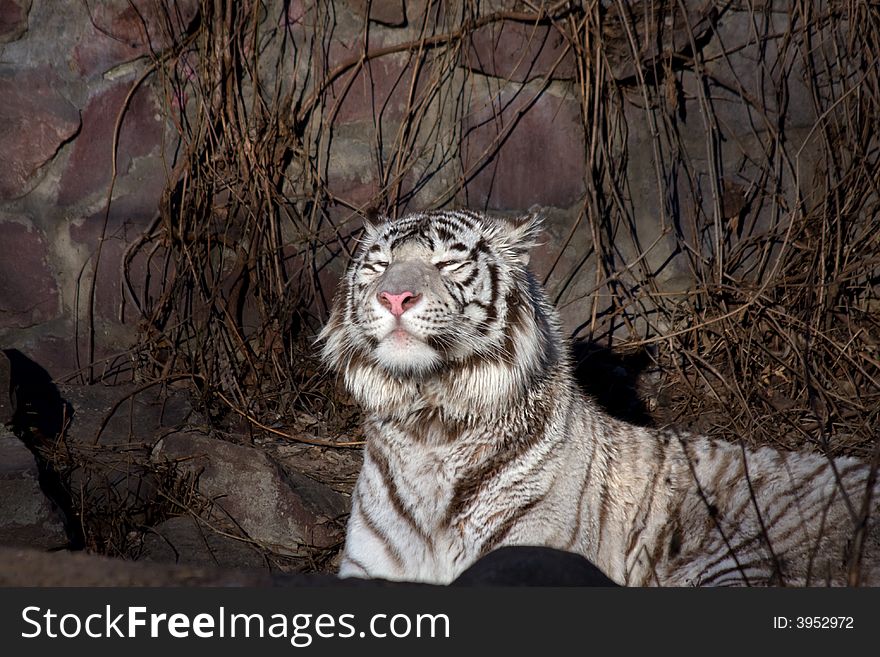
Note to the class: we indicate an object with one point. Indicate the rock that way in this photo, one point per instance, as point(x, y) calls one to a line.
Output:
point(338, 468)
point(295, 15)
point(187, 541)
point(520, 52)
point(139, 416)
point(386, 12)
point(35, 120)
point(7, 404)
point(89, 168)
point(109, 435)
point(123, 30)
point(548, 137)
point(28, 292)
point(377, 93)
point(27, 517)
point(133, 208)
point(284, 512)
point(49, 344)
point(24, 567)
point(13, 19)
point(658, 30)
point(109, 295)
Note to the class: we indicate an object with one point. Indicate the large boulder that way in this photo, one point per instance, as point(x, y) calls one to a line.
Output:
point(285, 512)
point(189, 540)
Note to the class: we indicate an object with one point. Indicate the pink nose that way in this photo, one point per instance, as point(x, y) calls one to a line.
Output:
point(398, 303)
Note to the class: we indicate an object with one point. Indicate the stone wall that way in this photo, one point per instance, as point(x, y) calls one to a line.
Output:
point(646, 133)
point(66, 74)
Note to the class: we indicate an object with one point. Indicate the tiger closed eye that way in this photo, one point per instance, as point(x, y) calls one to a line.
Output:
point(449, 265)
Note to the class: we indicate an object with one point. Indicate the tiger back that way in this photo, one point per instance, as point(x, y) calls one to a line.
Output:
point(479, 437)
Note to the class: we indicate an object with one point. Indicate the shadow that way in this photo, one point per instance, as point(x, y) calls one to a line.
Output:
point(40, 415)
point(611, 380)
point(39, 411)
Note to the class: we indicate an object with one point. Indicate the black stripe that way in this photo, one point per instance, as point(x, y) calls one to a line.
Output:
point(478, 304)
point(749, 503)
point(671, 531)
point(724, 491)
point(397, 502)
point(660, 455)
point(370, 524)
point(452, 224)
point(480, 247)
point(473, 275)
point(358, 564)
point(580, 505)
point(512, 448)
point(826, 505)
point(466, 218)
point(743, 570)
point(403, 238)
point(516, 313)
point(504, 529)
point(492, 313)
point(444, 234)
point(604, 501)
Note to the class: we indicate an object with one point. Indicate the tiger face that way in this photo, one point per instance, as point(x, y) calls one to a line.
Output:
point(430, 291)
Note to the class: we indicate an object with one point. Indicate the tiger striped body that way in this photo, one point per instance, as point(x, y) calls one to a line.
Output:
point(478, 437)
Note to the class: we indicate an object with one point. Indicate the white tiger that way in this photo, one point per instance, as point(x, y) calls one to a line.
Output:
point(478, 437)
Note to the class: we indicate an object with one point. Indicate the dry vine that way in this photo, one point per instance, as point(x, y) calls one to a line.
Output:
point(775, 339)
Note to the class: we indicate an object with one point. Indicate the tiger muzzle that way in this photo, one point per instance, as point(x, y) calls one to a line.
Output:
point(400, 287)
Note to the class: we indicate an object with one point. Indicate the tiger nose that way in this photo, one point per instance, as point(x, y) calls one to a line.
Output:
point(398, 303)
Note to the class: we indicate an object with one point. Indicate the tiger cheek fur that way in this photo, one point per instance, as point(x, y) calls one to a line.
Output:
point(478, 437)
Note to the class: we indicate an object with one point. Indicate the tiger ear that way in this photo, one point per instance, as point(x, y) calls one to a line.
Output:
point(373, 221)
point(517, 237)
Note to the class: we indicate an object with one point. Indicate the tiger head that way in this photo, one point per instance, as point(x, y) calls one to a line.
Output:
point(439, 298)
